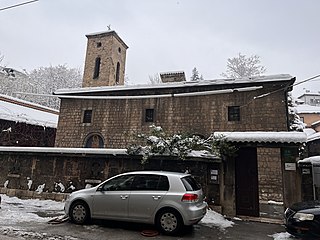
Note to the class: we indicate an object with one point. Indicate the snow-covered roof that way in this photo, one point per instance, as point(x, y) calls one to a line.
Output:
point(315, 160)
point(189, 94)
point(315, 123)
point(305, 108)
point(88, 151)
point(309, 131)
point(264, 137)
point(257, 80)
point(313, 137)
point(65, 150)
point(21, 113)
point(309, 94)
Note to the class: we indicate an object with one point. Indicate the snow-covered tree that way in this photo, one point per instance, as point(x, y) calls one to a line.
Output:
point(44, 80)
point(294, 120)
point(242, 66)
point(155, 79)
point(178, 145)
point(195, 75)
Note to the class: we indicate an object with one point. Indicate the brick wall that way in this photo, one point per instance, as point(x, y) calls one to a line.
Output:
point(270, 174)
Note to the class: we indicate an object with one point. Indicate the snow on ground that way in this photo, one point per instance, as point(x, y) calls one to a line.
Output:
point(14, 211)
point(214, 219)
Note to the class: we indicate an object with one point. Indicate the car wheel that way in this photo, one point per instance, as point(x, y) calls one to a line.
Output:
point(79, 212)
point(169, 221)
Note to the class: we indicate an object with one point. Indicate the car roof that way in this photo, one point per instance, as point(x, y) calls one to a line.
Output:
point(167, 173)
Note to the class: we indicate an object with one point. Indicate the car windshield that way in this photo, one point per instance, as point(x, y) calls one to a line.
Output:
point(190, 183)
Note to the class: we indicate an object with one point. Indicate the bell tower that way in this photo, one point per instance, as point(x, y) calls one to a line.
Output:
point(105, 60)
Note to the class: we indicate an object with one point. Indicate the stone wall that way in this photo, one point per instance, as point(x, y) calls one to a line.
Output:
point(54, 172)
point(117, 121)
point(111, 50)
point(270, 174)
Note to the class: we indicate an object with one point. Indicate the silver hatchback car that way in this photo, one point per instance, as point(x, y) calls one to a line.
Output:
point(169, 200)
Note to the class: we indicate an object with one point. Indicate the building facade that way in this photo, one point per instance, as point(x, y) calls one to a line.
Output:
point(310, 98)
point(107, 116)
point(23, 123)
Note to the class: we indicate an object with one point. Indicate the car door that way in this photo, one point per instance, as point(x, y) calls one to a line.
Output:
point(147, 192)
point(111, 199)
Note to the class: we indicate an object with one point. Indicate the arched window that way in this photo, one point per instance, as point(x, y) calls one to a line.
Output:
point(94, 141)
point(97, 68)
point(118, 73)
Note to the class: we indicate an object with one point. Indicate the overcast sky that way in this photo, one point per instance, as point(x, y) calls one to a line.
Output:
point(167, 35)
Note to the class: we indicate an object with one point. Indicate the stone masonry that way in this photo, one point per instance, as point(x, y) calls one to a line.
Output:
point(270, 174)
point(111, 50)
point(118, 120)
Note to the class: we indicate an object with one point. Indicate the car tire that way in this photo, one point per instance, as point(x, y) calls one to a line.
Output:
point(79, 212)
point(169, 221)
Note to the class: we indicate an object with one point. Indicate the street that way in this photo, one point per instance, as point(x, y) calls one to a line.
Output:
point(28, 219)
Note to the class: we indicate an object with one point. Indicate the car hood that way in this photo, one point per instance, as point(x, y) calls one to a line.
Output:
point(85, 190)
point(308, 205)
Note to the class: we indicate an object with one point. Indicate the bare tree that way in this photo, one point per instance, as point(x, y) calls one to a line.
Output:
point(242, 66)
point(1, 58)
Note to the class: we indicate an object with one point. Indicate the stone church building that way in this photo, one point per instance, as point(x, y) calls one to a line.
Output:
point(252, 113)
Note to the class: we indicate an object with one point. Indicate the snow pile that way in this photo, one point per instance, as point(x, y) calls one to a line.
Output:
point(23, 234)
point(282, 236)
point(15, 210)
point(214, 219)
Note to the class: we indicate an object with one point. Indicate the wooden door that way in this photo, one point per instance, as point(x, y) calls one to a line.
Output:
point(247, 196)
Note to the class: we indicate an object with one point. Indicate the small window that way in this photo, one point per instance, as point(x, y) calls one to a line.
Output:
point(87, 116)
point(234, 113)
point(119, 50)
point(99, 44)
point(118, 73)
point(96, 72)
point(149, 115)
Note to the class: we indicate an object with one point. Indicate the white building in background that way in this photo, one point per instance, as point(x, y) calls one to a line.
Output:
point(310, 98)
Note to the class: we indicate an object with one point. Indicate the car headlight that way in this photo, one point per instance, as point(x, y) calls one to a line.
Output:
point(303, 216)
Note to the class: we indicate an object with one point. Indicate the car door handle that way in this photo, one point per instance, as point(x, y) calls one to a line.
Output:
point(123, 197)
point(156, 197)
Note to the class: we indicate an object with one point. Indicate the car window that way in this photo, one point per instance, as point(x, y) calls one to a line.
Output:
point(121, 183)
point(149, 182)
point(190, 183)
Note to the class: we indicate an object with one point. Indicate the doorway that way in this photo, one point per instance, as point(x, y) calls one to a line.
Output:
point(246, 176)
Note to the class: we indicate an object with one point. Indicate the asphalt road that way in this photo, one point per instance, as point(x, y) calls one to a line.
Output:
point(116, 231)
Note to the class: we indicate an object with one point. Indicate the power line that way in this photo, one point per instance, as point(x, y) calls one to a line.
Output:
point(278, 90)
point(17, 5)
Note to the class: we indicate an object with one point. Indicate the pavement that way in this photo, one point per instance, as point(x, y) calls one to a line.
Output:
point(246, 230)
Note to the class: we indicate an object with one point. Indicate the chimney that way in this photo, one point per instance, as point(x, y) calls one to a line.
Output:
point(172, 77)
